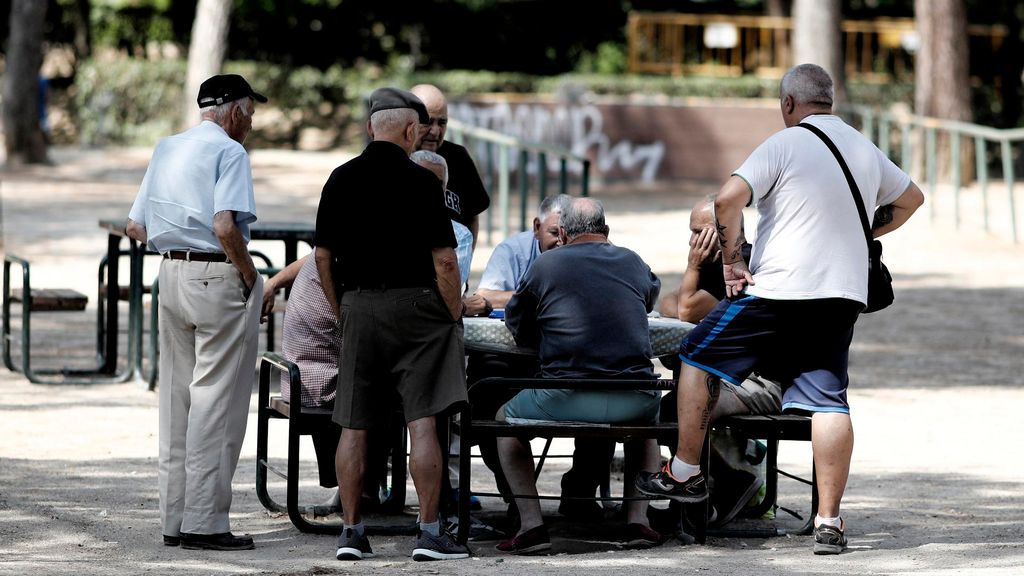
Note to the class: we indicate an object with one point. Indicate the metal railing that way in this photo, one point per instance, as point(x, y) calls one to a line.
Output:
point(898, 136)
point(729, 45)
point(505, 161)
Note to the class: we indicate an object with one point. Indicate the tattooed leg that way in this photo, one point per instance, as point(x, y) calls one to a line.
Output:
point(714, 386)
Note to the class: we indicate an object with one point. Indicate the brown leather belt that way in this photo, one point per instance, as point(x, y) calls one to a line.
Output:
point(196, 256)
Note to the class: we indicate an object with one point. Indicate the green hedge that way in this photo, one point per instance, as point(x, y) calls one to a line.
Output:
point(132, 101)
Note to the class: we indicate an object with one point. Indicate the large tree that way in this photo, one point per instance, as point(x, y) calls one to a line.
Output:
point(818, 40)
point(23, 135)
point(205, 52)
point(941, 70)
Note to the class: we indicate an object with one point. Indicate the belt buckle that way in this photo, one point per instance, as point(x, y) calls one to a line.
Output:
point(188, 255)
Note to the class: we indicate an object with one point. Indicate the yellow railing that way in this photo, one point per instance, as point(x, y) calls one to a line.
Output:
point(719, 45)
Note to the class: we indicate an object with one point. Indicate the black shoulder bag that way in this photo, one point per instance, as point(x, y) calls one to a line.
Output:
point(879, 280)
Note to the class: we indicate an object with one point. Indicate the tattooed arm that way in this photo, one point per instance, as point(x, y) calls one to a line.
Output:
point(899, 211)
point(729, 204)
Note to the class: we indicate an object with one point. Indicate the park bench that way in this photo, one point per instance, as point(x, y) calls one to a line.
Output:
point(772, 428)
point(32, 300)
point(304, 421)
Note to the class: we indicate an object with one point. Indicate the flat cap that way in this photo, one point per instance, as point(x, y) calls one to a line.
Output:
point(222, 88)
point(391, 98)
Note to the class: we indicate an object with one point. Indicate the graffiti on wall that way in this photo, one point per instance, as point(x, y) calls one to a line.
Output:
point(578, 128)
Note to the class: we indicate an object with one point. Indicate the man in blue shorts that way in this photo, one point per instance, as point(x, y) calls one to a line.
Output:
point(790, 315)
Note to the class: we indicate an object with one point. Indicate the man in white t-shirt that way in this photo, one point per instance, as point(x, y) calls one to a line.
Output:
point(790, 315)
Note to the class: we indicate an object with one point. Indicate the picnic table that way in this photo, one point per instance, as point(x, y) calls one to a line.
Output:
point(290, 233)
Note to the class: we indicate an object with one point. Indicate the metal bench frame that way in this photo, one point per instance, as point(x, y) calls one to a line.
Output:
point(769, 427)
point(47, 376)
point(305, 421)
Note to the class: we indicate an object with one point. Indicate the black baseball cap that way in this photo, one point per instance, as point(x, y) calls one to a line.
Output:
point(222, 88)
point(391, 98)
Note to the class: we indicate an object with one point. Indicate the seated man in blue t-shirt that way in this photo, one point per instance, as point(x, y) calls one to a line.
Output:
point(509, 263)
point(584, 307)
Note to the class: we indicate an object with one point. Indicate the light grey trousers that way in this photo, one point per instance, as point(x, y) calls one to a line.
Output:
point(208, 344)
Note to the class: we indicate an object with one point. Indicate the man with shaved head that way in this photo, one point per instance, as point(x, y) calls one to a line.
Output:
point(465, 196)
point(703, 286)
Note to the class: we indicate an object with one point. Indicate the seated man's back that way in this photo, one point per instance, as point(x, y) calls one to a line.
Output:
point(584, 306)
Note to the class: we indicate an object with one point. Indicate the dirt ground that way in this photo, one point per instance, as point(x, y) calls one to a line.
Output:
point(937, 387)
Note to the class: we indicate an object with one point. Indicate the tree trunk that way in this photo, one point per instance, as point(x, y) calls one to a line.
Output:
point(83, 30)
point(941, 74)
point(23, 136)
point(1012, 70)
point(777, 7)
point(818, 40)
point(205, 52)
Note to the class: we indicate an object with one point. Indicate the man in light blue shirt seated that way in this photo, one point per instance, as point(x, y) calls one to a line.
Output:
point(512, 258)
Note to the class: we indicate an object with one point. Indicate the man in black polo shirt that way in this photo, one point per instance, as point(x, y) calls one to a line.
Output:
point(400, 308)
point(465, 197)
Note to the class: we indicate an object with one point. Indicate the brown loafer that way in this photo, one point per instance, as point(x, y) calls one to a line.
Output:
point(222, 541)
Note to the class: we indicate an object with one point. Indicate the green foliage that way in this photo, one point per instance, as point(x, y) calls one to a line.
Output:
point(127, 101)
point(130, 101)
point(131, 25)
point(610, 58)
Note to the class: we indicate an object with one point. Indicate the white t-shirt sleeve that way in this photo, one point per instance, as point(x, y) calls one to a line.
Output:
point(762, 168)
point(893, 182)
point(234, 190)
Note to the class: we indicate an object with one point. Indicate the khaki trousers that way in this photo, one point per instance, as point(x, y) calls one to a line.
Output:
point(208, 342)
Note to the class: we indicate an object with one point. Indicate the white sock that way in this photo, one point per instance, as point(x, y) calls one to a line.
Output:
point(681, 470)
point(359, 528)
point(820, 520)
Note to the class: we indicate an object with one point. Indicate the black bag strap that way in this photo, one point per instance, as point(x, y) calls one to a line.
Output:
point(849, 179)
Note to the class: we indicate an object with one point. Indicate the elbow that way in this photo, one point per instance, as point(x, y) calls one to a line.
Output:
point(688, 314)
point(221, 231)
point(911, 199)
point(917, 198)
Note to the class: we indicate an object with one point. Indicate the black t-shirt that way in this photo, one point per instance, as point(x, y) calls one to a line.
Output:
point(380, 215)
point(468, 196)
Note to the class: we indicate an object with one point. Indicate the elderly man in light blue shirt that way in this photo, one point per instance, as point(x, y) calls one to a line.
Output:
point(512, 258)
point(194, 207)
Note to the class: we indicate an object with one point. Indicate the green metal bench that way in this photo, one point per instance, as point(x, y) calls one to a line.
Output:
point(35, 300)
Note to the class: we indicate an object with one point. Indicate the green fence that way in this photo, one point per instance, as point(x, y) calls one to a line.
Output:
point(897, 135)
point(510, 166)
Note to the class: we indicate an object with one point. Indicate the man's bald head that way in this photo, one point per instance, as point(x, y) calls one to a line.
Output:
point(703, 215)
point(432, 134)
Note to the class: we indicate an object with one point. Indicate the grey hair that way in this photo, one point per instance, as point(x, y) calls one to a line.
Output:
point(429, 157)
point(393, 120)
point(583, 216)
point(553, 205)
point(807, 84)
point(219, 112)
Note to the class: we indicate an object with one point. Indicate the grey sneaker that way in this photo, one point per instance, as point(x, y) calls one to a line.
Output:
point(443, 547)
point(693, 489)
point(352, 546)
point(829, 539)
